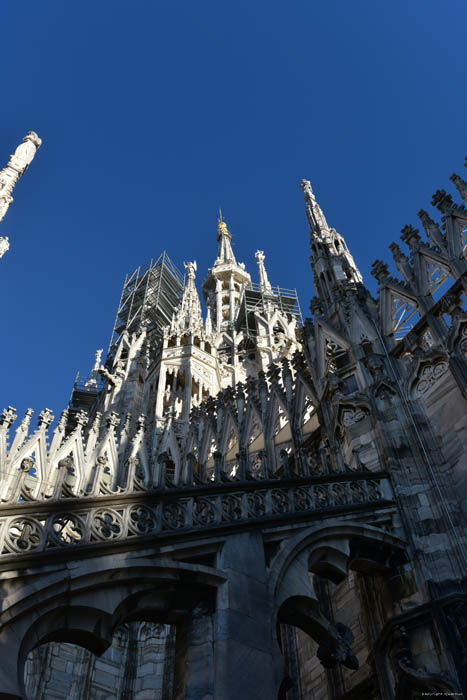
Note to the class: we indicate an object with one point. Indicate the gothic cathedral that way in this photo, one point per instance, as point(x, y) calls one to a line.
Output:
point(238, 504)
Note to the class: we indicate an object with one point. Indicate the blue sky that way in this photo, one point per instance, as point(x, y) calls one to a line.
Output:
point(154, 114)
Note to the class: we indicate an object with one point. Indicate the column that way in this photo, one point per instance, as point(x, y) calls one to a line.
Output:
point(248, 661)
point(194, 662)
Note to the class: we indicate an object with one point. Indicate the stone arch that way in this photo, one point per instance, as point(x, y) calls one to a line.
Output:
point(328, 550)
point(39, 615)
point(324, 548)
point(334, 639)
point(84, 626)
point(165, 604)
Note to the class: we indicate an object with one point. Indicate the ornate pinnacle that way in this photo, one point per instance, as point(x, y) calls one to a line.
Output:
point(222, 229)
point(225, 252)
point(432, 229)
point(397, 253)
point(410, 235)
point(10, 175)
point(191, 268)
point(313, 210)
point(96, 421)
point(45, 418)
point(380, 271)
point(113, 420)
point(263, 275)
point(92, 382)
point(460, 184)
point(81, 419)
point(8, 416)
point(443, 201)
point(63, 420)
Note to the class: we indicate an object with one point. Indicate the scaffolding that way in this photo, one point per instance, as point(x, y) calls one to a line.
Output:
point(257, 299)
point(150, 296)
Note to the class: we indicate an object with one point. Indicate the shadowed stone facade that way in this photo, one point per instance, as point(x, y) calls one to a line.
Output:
point(243, 506)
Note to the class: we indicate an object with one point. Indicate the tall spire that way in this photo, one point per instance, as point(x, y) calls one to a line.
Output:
point(332, 264)
point(225, 281)
point(188, 316)
point(92, 381)
point(224, 237)
point(263, 275)
point(9, 176)
point(316, 219)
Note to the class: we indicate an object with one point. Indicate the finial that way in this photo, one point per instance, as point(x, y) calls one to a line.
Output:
point(305, 186)
point(97, 360)
point(460, 184)
point(92, 381)
point(443, 201)
point(222, 229)
point(316, 218)
point(380, 271)
point(410, 235)
point(263, 276)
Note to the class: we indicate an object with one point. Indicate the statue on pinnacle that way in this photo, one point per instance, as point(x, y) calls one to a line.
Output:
point(9, 176)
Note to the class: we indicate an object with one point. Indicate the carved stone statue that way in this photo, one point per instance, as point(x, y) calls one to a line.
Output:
point(263, 275)
point(17, 165)
point(191, 268)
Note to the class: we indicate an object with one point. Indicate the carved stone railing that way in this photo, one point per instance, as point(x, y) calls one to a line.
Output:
point(33, 527)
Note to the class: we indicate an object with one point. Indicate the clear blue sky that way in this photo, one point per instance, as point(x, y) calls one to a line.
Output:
point(154, 114)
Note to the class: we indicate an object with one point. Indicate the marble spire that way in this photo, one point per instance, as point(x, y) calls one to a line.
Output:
point(224, 237)
point(9, 176)
point(188, 316)
point(263, 275)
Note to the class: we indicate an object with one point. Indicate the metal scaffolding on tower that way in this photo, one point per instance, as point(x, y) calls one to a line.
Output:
point(257, 299)
point(149, 297)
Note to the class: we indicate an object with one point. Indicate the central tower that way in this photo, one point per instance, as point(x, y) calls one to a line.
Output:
point(165, 359)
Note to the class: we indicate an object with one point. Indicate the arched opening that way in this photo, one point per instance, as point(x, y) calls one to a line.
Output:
point(141, 658)
point(324, 616)
point(139, 651)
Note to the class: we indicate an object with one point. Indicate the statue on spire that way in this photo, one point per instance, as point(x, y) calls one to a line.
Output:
point(263, 275)
point(92, 381)
point(224, 237)
point(9, 176)
point(317, 221)
point(336, 265)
